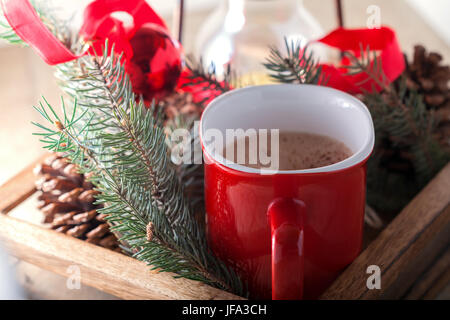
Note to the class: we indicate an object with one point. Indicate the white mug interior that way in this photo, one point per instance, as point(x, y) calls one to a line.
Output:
point(292, 107)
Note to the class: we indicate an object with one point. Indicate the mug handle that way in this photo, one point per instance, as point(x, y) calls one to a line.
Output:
point(286, 217)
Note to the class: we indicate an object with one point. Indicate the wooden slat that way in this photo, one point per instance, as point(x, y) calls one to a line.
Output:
point(439, 287)
point(106, 270)
point(18, 188)
point(405, 249)
point(431, 283)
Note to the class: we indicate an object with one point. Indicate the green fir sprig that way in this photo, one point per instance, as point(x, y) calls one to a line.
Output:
point(112, 136)
point(404, 125)
point(296, 64)
point(206, 79)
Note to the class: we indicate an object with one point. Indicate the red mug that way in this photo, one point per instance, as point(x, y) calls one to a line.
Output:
point(288, 234)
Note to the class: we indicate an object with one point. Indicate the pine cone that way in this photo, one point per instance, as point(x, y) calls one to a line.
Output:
point(431, 78)
point(66, 198)
point(180, 103)
point(396, 171)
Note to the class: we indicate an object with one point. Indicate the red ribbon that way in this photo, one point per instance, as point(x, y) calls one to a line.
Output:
point(25, 22)
point(382, 40)
point(97, 26)
point(100, 10)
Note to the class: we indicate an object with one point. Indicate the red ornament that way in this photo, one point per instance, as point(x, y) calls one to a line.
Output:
point(156, 63)
point(152, 58)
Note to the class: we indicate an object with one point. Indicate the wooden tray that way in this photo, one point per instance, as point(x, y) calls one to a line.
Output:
point(412, 253)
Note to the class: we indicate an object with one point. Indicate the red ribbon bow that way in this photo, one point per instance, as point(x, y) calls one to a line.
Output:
point(97, 26)
point(382, 40)
point(152, 57)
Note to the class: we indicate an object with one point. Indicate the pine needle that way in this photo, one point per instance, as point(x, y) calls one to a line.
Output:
point(120, 142)
point(295, 65)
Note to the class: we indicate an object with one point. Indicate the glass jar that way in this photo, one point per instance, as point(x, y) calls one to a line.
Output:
point(240, 32)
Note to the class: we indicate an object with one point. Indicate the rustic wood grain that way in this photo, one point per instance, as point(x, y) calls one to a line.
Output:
point(431, 283)
point(101, 268)
point(404, 250)
point(439, 289)
point(18, 188)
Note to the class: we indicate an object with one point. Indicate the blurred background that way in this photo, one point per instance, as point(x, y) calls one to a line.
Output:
point(25, 77)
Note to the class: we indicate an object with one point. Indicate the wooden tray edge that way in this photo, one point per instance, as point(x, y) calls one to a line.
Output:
point(404, 249)
point(101, 268)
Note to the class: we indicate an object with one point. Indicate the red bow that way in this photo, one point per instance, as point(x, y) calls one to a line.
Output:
point(382, 40)
point(152, 57)
point(97, 26)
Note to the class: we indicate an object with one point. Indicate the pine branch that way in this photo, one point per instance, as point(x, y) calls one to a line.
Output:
point(207, 77)
point(205, 82)
point(181, 117)
point(371, 66)
point(107, 82)
point(296, 65)
point(117, 195)
point(124, 145)
point(191, 175)
point(107, 140)
point(400, 114)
